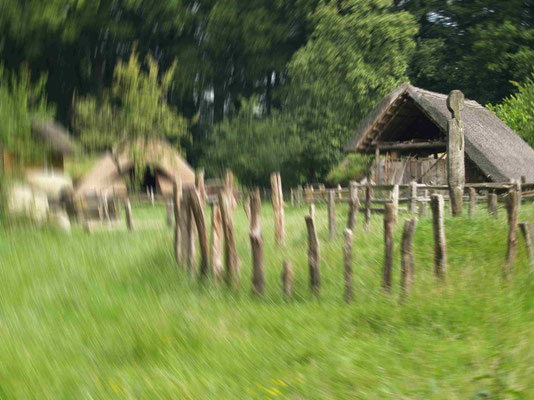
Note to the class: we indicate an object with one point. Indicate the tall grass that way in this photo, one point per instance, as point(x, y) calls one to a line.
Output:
point(110, 315)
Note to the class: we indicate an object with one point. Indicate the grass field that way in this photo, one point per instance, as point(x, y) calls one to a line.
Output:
point(110, 315)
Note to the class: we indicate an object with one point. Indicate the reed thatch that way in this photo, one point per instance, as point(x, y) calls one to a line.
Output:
point(110, 171)
point(495, 148)
point(54, 134)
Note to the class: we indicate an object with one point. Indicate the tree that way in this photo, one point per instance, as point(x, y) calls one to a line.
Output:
point(135, 108)
point(358, 52)
point(518, 110)
point(20, 103)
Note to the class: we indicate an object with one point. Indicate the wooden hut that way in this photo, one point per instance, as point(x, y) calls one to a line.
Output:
point(407, 131)
point(112, 171)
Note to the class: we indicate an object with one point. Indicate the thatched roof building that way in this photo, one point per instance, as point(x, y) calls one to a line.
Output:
point(110, 173)
point(55, 136)
point(413, 122)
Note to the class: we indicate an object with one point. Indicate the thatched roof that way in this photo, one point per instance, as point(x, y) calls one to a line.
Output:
point(495, 148)
point(54, 134)
point(109, 171)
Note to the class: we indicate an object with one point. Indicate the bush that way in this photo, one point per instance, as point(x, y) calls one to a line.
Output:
point(354, 167)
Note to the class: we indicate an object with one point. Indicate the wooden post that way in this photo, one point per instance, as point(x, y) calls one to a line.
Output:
point(354, 206)
point(527, 228)
point(339, 192)
point(278, 207)
point(395, 196)
point(332, 214)
point(377, 164)
point(229, 188)
point(347, 260)
point(512, 209)
point(128, 211)
point(412, 205)
point(472, 202)
point(256, 243)
point(177, 198)
point(389, 229)
point(152, 201)
point(287, 279)
point(216, 240)
point(313, 256)
point(169, 212)
point(299, 195)
point(308, 194)
point(200, 220)
point(200, 185)
point(407, 269)
point(188, 233)
point(423, 205)
point(492, 205)
point(368, 205)
point(231, 257)
point(455, 152)
point(312, 210)
point(440, 246)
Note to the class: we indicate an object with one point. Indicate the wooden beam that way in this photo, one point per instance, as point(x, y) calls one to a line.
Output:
point(384, 146)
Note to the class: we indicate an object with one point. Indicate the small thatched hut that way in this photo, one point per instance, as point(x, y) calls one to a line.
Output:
point(111, 171)
point(407, 131)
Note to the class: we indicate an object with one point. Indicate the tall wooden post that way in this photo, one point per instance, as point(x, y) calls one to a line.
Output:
point(128, 211)
point(395, 196)
point(440, 246)
point(492, 205)
point(412, 205)
point(472, 202)
point(347, 261)
point(230, 252)
point(332, 214)
point(256, 242)
point(200, 185)
point(197, 210)
point(313, 256)
point(288, 277)
point(216, 240)
point(354, 206)
point(377, 165)
point(188, 232)
point(177, 198)
point(278, 206)
point(389, 228)
point(512, 208)
point(407, 269)
point(455, 152)
point(368, 205)
point(527, 228)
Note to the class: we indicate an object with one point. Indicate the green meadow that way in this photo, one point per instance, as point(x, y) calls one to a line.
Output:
point(111, 316)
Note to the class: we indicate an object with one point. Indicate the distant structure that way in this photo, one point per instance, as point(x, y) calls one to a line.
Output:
point(407, 132)
point(57, 142)
point(111, 172)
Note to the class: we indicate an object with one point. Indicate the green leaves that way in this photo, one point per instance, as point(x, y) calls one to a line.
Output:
point(136, 107)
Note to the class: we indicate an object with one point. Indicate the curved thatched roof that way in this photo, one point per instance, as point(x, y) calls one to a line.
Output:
point(108, 173)
point(496, 149)
point(54, 134)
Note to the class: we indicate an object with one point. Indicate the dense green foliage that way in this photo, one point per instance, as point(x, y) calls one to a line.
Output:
point(110, 315)
point(21, 102)
point(355, 166)
point(315, 67)
point(135, 108)
point(517, 110)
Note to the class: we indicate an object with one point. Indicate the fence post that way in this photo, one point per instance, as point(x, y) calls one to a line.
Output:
point(389, 228)
point(440, 246)
point(278, 207)
point(354, 206)
point(332, 214)
point(527, 228)
point(312, 210)
point(152, 201)
point(407, 269)
point(188, 232)
point(169, 212)
point(216, 240)
point(347, 260)
point(492, 205)
point(287, 279)
point(368, 204)
point(413, 197)
point(423, 205)
point(128, 211)
point(200, 185)
point(231, 257)
point(455, 152)
point(512, 208)
point(472, 202)
point(339, 193)
point(256, 243)
point(313, 256)
point(200, 220)
point(177, 198)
